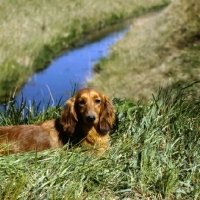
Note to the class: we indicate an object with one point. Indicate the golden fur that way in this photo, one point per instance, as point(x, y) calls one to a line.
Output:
point(87, 118)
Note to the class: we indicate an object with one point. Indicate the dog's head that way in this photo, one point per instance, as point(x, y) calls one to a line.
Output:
point(88, 107)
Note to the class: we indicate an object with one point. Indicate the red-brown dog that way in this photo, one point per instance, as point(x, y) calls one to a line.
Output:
point(87, 118)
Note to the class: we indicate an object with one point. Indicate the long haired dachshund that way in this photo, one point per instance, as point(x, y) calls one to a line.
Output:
point(86, 118)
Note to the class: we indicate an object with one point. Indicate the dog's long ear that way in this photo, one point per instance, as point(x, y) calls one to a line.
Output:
point(107, 116)
point(68, 117)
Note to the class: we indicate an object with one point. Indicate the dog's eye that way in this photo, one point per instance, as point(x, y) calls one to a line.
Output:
point(81, 102)
point(97, 101)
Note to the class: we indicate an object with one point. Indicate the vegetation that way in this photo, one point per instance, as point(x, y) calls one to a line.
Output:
point(154, 154)
point(161, 49)
point(155, 148)
point(33, 32)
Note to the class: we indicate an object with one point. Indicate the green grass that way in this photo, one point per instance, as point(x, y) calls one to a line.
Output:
point(155, 148)
point(34, 32)
point(154, 154)
point(161, 49)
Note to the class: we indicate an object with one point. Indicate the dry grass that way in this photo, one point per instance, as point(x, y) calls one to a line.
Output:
point(161, 49)
point(33, 32)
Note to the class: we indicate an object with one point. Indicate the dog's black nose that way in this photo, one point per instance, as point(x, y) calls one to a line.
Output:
point(91, 118)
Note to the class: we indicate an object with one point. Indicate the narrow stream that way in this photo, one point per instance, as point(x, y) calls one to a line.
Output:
point(74, 66)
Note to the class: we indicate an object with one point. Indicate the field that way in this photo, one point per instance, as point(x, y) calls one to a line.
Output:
point(34, 32)
point(162, 49)
point(155, 146)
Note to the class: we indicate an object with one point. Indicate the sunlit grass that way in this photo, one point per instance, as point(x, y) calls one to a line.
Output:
point(155, 148)
point(154, 154)
point(161, 49)
point(33, 32)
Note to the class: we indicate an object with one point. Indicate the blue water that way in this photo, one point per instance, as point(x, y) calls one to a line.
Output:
point(74, 66)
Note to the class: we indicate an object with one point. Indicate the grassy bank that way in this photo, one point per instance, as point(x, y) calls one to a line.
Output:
point(154, 154)
point(160, 50)
point(33, 32)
